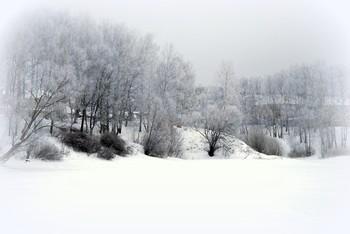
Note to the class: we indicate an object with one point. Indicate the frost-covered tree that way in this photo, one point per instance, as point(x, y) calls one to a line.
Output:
point(110, 69)
point(228, 84)
point(174, 83)
point(36, 81)
point(168, 96)
point(217, 125)
point(221, 115)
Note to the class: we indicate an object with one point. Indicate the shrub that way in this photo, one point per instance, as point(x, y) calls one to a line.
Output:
point(272, 146)
point(263, 143)
point(176, 141)
point(298, 150)
point(339, 151)
point(155, 145)
point(115, 143)
point(106, 153)
point(163, 141)
point(81, 142)
point(255, 139)
point(44, 151)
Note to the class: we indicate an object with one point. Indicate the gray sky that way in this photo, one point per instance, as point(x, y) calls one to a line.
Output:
point(259, 36)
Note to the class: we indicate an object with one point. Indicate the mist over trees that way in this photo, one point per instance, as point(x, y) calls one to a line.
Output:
point(307, 101)
point(103, 73)
point(96, 77)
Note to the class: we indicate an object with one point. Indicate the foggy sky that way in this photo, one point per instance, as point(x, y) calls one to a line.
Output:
point(259, 37)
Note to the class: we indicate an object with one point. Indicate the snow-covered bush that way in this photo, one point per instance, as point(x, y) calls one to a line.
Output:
point(298, 150)
point(262, 143)
point(339, 151)
point(176, 141)
point(255, 139)
point(114, 143)
point(106, 153)
point(162, 141)
point(156, 143)
point(44, 151)
point(160, 138)
point(81, 142)
point(272, 146)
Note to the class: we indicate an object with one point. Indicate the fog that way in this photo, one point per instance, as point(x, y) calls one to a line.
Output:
point(259, 37)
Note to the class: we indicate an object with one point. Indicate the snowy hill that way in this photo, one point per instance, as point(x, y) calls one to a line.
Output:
point(194, 147)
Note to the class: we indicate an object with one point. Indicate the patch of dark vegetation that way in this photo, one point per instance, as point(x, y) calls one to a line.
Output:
point(155, 145)
point(81, 142)
point(106, 153)
point(115, 143)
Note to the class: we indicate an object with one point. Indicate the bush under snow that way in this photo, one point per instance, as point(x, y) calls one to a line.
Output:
point(45, 151)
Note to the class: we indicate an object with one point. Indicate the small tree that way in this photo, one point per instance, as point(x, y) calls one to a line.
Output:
point(217, 125)
point(157, 126)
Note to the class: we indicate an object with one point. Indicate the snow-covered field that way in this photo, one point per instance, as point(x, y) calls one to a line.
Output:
point(139, 194)
point(235, 192)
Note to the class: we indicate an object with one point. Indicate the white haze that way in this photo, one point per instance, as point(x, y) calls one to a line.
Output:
point(260, 37)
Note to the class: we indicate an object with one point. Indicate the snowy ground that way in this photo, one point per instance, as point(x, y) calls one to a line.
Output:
point(140, 194)
point(235, 192)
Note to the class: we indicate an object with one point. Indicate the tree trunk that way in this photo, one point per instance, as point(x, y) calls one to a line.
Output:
point(211, 151)
point(119, 128)
point(51, 126)
point(9, 153)
point(82, 120)
point(281, 133)
point(140, 124)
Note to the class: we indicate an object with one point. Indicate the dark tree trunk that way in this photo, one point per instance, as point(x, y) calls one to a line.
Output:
point(113, 128)
point(51, 127)
point(140, 124)
point(119, 128)
point(82, 120)
point(211, 151)
point(281, 133)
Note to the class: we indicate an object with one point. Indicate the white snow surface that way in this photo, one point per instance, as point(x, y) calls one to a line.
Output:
point(233, 192)
point(140, 194)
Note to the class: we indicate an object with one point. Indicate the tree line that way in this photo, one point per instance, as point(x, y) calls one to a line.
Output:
point(98, 77)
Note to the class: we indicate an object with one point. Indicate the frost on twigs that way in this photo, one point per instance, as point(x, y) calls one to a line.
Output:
point(45, 151)
point(216, 125)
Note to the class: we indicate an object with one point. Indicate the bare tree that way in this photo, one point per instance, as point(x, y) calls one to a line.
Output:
point(36, 81)
point(35, 109)
point(229, 85)
point(217, 125)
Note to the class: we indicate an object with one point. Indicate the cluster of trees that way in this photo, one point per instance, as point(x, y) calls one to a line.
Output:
point(107, 76)
point(309, 102)
point(103, 73)
point(306, 100)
